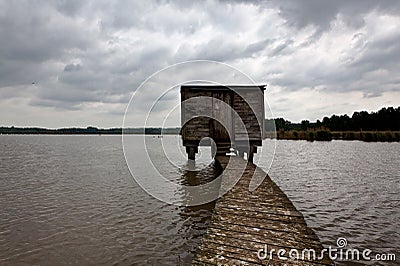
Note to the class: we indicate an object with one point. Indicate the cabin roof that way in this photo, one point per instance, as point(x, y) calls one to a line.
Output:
point(222, 87)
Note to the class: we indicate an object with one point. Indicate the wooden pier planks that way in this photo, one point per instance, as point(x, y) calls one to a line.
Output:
point(244, 222)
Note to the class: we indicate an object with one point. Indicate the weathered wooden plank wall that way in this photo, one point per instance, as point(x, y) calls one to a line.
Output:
point(200, 127)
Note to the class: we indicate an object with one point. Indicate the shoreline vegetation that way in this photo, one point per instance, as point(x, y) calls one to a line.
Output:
point(326, 135)
point(383, 125)
point(309, 135)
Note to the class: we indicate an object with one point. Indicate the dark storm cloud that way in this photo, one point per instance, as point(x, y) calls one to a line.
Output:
point(72, 67)
point(371, 50)
point(68, 54)
point(34, 33)
point(279, 50)
point(33, 39)
point(256, 47)
point(70, 7)
point(383, 53)
point(321, 13)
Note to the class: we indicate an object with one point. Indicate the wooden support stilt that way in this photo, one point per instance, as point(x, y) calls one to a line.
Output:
point(241, 153)
point(191, 151)
point(250, 155)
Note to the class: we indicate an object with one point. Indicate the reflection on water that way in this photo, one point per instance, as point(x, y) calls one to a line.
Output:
point(197, 218)
point(71, 200)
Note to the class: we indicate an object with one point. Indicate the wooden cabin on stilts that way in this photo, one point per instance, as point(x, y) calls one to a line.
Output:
point(231, 115)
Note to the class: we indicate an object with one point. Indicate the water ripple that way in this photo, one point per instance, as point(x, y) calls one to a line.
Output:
point(71, 200)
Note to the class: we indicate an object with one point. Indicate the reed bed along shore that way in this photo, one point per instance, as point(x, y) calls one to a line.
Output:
point(327, 135)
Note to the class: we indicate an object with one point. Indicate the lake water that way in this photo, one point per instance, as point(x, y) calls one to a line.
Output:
point(72, 200)
point(347, 189)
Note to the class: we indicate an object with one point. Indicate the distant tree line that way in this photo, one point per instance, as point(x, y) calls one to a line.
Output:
point(67, 131)
point(386, 119)
point(87, 131)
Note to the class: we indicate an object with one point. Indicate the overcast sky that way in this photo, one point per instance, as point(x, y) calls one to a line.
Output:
point(77, 63)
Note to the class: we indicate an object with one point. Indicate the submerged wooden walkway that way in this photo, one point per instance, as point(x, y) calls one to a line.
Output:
point(244, 222)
